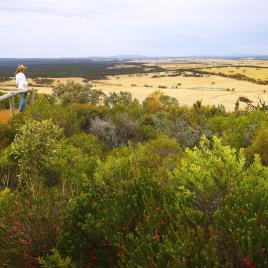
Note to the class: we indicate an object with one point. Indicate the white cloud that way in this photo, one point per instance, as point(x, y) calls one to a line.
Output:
point(44, 28)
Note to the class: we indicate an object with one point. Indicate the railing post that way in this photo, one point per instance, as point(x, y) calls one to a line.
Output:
point(12, 105)
point(32, 97)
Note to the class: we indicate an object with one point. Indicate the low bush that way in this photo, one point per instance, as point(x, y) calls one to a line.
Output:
point(204, 215)
point(44, 110)
point(237, 130)
point(119, 98)
point(259, 144)
point(29, 149)
point(7, 134)
point(29, 226)
point(72, 92)
point(158, 101)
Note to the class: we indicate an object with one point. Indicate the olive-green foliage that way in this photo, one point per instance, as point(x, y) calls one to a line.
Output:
point(35, 140)
point(73, 163)
point(148, 132)
point(133, 109)
point(5, 104)
point(119, 98)
point(86, 112)
point(89, 144)
point(211, 183)
point(127, 174)
point(237, 130)
point(43, 109)
point(8, 170)
point(211, 212)
point(56, 261)
point(156, 157)
point(242, 221)
point(29, 226)
point(7, 134)
point(260, 144)
point(127, 128)
point(72, 92)
point(67, 166)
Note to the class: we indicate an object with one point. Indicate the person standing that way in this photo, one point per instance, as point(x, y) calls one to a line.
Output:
point(22, 84)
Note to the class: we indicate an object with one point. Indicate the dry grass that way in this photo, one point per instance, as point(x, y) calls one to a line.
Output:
point(210, 89)
point(5, 116)
point(252, 72)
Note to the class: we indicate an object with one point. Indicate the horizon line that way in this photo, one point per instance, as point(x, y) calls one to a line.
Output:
point(126, 56)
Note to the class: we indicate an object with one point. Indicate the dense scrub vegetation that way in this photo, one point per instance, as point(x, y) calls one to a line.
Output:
point(86, 68)
point(95, 180)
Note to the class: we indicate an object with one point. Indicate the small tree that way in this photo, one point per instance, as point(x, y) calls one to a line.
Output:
point(72, 92)
point(122, 97)
point(158, 100)
point(30, 147)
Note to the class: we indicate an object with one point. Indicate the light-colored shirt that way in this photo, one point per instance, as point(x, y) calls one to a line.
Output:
point(21, 81)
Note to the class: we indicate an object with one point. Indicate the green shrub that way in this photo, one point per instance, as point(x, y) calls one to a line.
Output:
point(102, 227)
point(44, 110)
point(119, 98)
point(213, 190)
point(260, 144)
point(72, 92)
point(86, 112)
point(68, 167)
point(30, 226)
point(7, 134)
point(89, 144)
point(56, 261)
point(30, 147)
point(147, 132)
point(8, 170)
point(5, 103)
point(210, 213)
point(127, 128)
point(237, 130)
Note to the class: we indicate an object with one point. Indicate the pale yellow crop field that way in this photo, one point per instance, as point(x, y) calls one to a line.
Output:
point(256, 73)
point(210, 89)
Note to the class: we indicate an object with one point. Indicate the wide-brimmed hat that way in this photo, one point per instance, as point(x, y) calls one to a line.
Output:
point(21, 67)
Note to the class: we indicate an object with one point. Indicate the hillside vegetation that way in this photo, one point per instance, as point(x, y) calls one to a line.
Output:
point(89, 179)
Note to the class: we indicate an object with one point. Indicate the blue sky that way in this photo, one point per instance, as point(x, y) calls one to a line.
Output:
point(81, 28)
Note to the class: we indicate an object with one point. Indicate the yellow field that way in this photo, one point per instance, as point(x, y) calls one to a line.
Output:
point(210, 89)
point(256, 73)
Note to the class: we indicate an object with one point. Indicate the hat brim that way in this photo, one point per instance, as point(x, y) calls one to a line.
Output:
point(21, 68)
